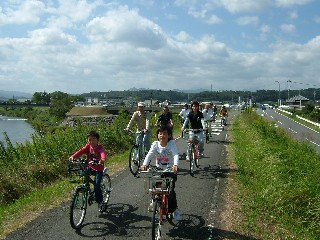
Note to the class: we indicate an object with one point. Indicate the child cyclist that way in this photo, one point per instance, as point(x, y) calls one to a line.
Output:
point(165, 152)
point(96, 151)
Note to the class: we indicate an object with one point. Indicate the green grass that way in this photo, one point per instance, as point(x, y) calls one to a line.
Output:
point(278, 178)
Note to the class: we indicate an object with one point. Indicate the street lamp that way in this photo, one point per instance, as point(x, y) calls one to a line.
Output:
point(279, 99)
point(288, 81)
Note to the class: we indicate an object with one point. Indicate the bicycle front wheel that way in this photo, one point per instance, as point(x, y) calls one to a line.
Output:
point(78, 208)
point(106, 188)
point(191, 157)
point(134, 160)
point(156, 224)
point(196, 155)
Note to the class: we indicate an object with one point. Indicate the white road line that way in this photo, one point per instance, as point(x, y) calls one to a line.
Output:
point(318, 145)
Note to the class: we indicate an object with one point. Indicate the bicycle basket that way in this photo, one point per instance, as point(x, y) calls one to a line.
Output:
point(156, 184)
point(75, 171)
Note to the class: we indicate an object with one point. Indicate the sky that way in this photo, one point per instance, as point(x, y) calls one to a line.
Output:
point(80, 46)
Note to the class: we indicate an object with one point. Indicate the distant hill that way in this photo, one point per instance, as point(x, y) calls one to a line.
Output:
point(10, 94)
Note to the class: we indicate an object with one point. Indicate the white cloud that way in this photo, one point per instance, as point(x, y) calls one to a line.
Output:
point(289, 3)
point(82, 46)
point(213, 19)
point(238, 6)
point(288, 28)
point(293, 15)
point(126, 26)
point(264, 32)
point(317, 19)
point(25, 12)
point(248, 20)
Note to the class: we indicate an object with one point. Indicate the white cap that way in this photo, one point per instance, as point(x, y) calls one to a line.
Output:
point(141, 104)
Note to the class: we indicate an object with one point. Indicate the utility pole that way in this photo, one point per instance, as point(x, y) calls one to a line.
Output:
point(279, 99)
point(289, 81)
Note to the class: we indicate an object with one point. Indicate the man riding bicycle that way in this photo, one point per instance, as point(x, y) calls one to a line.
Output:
point(142, 120)
point(208, 115)
point(165, 119)
point(196, 119)
point(184, 114)
point(224, 113)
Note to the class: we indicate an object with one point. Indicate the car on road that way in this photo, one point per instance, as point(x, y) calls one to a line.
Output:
point(262, 107)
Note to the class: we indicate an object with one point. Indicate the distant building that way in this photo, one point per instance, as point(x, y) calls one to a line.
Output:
point(298, 101)
point(152, 102)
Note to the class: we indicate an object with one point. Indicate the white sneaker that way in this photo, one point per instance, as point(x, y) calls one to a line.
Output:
point(177, 215)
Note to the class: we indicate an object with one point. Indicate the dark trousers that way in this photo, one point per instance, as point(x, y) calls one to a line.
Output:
point(97, 185)
point(172, 198)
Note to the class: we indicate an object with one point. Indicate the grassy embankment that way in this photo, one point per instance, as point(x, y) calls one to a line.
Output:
point(34, 176)
point(277, 185)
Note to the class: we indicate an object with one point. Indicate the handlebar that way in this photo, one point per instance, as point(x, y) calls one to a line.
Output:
point(193, 130)
point(83, 161)
point(132, 132)
point(156, 170)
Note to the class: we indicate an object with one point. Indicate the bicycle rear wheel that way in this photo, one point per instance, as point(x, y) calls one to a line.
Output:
point(106, 188)
point(78, 208)
point(207, 136)
point(134, 160)
point(156, 224)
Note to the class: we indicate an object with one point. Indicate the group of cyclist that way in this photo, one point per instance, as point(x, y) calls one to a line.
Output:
point(163, 150)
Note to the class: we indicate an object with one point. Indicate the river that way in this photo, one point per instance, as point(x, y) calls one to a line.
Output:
point(17, 129)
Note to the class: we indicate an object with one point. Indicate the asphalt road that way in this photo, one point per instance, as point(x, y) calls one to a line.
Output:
point(295, 129)
point(200, 200)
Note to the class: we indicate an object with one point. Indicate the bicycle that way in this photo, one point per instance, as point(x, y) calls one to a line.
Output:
point(223, 121)
point(84, 192)
point(207, 127)
point(137, 154)
point(193, 149)
point(158, 185)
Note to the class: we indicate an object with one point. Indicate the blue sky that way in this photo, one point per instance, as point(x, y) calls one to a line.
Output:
point(95, 45)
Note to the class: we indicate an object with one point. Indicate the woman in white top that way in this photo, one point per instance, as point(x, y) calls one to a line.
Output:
point(165, 152)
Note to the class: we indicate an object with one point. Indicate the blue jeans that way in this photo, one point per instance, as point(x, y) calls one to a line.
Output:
point(200, 137)
point(145, 138)
point(97, 185)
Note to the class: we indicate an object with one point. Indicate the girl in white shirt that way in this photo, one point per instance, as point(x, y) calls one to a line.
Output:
point(165, 152)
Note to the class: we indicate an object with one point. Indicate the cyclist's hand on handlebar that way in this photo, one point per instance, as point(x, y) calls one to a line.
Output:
point(71, 158)
point(143, 168)
point(175, 168)
point(101, 161)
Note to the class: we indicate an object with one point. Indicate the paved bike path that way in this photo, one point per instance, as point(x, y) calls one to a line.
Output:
point(200, 200)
